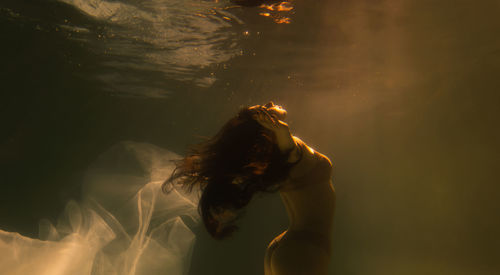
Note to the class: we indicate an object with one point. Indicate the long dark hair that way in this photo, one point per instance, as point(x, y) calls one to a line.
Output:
point(239, 161)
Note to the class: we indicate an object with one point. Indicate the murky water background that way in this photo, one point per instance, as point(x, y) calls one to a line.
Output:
point(402, 95)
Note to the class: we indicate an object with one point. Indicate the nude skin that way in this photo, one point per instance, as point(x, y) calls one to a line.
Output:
point(309, 199)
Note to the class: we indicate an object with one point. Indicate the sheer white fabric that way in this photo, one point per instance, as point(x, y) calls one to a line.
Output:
point(124, 225)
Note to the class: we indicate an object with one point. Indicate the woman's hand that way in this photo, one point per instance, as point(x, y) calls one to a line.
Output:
point(284, 139)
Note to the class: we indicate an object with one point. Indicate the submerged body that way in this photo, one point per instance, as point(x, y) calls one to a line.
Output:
point(255, 152)
point(309, 199)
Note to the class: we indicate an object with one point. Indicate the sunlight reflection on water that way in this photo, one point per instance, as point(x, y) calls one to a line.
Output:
point(177, 38)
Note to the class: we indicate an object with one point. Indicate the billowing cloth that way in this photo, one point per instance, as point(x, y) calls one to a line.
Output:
point(124, 224)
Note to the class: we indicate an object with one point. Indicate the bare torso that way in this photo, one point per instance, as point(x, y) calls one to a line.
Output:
point(309, 199)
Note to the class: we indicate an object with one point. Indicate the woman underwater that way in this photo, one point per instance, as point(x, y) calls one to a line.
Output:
point(125, 225)
point(255, 152)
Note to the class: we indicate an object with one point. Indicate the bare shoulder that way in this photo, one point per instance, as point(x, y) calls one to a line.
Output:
point(312, 163)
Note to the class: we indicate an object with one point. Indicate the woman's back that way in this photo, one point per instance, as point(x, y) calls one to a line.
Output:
point(309, 199)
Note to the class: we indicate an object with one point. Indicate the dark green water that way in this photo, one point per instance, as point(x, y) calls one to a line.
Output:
point(402, 95)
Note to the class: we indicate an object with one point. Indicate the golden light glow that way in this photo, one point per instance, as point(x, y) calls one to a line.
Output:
point(283, 20)
point(279, 12)
point(283, 6)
